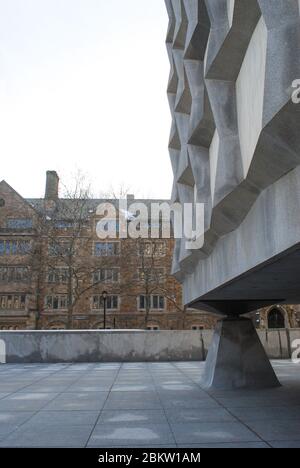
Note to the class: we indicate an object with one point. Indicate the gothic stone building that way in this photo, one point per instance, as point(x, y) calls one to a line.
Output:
point(39, 279)
point(277, 316)
point(36, 288)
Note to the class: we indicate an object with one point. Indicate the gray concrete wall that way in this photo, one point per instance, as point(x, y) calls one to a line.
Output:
point(126, 346)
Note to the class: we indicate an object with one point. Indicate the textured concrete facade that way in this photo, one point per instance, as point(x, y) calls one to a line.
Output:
point(234, 146)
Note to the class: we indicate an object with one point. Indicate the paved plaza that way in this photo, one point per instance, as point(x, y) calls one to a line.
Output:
point(142, 405)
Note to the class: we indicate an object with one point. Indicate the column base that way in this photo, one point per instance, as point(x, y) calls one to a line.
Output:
point(237, 359)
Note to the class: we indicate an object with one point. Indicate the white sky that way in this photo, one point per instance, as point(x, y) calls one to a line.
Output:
point(83, 87)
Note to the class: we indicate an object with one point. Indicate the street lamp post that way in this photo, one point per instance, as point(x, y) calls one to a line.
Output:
point(104, 299)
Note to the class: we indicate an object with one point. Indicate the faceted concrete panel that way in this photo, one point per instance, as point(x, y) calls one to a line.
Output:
point(250, 94)
point(239, 87)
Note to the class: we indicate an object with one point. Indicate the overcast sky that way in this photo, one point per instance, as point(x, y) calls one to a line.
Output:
point(83, 87)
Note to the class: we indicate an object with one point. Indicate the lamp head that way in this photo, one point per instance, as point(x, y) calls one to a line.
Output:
point(104, 295)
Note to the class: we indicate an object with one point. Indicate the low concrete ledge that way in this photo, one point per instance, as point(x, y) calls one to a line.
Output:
point(104, 346)
point(125, 345)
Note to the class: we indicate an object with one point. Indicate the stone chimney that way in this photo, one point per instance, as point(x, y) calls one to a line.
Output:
point(52, 182)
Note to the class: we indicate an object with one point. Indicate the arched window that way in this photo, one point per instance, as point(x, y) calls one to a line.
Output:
point(276, 319)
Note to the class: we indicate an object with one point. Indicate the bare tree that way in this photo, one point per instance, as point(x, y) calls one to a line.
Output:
point(115, 193)
point(64, 246)
point(148, 275)
point(64, 263)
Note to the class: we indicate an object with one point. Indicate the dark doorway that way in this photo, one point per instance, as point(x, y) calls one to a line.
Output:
point(276, 319)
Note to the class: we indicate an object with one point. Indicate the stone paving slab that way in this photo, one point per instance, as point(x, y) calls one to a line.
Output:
point(63, 418)
point(286, 444)
point(132, 417)
point(201, 415)
point(48, 436)
point(140, 434)
point(200, 432)
point(143, 405)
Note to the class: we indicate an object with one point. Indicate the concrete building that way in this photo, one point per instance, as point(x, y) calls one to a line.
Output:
point(34, 285)
point(234, 147)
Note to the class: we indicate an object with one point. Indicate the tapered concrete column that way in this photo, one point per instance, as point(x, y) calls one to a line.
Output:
point(237, 359)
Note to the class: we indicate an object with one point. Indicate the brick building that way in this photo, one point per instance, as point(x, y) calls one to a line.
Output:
point(54, 269)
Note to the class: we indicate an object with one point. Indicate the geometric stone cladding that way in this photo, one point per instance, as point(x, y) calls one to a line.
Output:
point(235, 130)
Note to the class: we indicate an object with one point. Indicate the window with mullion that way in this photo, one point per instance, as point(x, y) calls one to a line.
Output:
point(15, 247)
point(58, 275)
point(112, 302)
point(155, 302)
point(13, 302)
point(106, 275)
point(106, 249)
point(57, 302)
